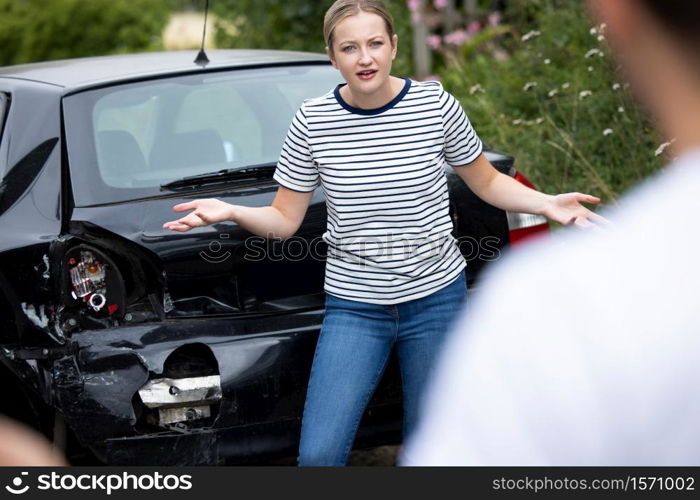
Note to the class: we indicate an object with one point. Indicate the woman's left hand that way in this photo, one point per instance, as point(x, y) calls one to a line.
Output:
point(566, 209)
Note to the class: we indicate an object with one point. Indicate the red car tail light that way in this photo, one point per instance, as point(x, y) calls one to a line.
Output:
point(94, 288)
point(522, 226)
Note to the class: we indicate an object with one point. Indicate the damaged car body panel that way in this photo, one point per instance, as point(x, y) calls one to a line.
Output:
point(137, 339)
point(180, 400)
point(261, 363)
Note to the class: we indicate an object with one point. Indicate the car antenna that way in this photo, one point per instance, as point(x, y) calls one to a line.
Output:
point(202, 59)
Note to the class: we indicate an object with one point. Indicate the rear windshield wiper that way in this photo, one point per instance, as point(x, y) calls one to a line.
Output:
point(261, 171)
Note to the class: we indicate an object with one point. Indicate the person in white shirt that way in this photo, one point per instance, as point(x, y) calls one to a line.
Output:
point(586, 351)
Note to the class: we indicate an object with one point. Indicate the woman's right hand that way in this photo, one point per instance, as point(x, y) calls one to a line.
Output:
point(206, 211)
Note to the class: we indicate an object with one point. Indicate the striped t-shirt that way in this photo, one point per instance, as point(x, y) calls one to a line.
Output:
point(383, 175)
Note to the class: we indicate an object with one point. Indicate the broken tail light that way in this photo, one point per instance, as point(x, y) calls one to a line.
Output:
point(88, 280)
point(94, 285)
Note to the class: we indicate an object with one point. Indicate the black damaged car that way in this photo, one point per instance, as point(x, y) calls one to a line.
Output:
point(131, 344)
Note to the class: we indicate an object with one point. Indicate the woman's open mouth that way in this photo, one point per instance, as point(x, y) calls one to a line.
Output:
point(367, 74)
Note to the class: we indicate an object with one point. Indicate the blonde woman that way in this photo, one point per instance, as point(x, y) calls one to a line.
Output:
point(378, 146)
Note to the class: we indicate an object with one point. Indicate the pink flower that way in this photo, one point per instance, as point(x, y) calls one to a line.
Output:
point(413, 5)
point(474, 27)
point(440, 4)
point(500, 55)
point(494, 18)
point(459, 37)
point(434, 41)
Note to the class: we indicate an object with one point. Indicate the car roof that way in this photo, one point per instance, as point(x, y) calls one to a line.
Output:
point(93, 71)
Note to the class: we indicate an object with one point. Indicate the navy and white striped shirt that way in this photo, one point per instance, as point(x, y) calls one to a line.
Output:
point(383, 174)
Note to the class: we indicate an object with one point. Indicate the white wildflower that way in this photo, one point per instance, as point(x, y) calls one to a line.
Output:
point(590, 68)
point(602, 27)
point(601, 54)
point(552, 92)
point(539, 120)
point(660, 150)
point(584, 93)
point(616, 86)
point(608, 131)
point(565, 85)
point(529, 85)
point(592, 52)
point(593, 31)
point(601, 38)
point(475, 88)
point(620, 109)
point(530, 35)
point(516, 122)
point(547, 61)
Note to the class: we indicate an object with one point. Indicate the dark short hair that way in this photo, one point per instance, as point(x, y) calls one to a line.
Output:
point(680, 17)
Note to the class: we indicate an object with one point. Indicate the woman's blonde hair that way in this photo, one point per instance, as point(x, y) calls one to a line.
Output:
point(344, 8)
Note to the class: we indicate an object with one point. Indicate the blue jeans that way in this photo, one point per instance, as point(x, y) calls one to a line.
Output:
point(351, 354)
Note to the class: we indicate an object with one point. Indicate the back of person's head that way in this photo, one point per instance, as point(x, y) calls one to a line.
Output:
point(657, 43)
point(680, 17)
point(680, 21)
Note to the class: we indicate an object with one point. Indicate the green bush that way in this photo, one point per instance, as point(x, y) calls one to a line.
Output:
point(556, 101)
point(39, 30)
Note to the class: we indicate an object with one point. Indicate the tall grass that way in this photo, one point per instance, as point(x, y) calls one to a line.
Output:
point(548, 92)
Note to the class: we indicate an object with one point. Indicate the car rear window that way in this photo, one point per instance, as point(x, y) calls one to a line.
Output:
point(125, 141)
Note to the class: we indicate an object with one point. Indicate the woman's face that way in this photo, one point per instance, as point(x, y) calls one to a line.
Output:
point(362, 51)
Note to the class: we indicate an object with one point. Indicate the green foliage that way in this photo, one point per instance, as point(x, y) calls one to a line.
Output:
point(468, 49)
point(38, 30)
point(294, 25)
point(186, 5)
point(536, 103)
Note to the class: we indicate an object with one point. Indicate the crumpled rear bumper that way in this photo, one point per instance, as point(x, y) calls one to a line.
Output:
point(263, 365)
